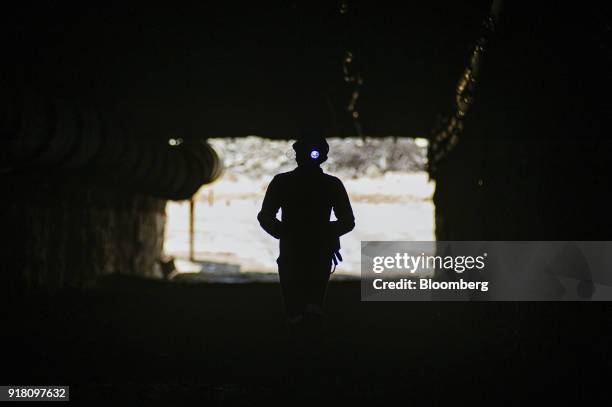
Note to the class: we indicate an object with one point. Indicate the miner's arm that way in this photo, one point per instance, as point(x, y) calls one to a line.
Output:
point(271, 204)
point(343, 212)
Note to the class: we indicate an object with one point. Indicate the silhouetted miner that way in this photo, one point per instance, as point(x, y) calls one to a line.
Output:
point(309, 241)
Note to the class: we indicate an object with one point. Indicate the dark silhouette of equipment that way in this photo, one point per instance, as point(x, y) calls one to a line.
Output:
point(42, 134)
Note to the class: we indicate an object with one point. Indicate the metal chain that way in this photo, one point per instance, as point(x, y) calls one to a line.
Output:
point(353, 78)
point(446, 133)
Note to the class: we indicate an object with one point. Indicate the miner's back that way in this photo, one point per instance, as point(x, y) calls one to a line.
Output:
point(307, 201)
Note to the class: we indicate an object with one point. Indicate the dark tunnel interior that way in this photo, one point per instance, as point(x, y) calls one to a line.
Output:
point(514, 102)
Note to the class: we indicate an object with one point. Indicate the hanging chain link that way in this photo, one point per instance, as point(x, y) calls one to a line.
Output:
point(446, 133)
point(353, 79)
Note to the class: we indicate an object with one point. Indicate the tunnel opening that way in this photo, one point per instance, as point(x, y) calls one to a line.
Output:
point(385, 177)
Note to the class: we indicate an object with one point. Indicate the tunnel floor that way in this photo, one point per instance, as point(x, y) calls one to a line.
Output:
point(132, 339)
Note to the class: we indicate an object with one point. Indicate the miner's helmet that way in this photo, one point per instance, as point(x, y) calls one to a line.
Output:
point(311, 149)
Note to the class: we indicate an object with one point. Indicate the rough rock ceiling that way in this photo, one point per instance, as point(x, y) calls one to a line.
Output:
point(226, 69)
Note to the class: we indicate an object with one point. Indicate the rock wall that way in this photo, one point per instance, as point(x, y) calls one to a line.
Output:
point(531, 161)
point(65, 234)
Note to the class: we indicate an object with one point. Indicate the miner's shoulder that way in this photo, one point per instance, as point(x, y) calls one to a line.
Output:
point(282, 177)
point(332, 179)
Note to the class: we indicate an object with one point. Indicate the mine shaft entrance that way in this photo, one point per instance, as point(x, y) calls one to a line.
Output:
point(385, 177)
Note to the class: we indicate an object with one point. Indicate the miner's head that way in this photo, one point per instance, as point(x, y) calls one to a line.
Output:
point(311, 151)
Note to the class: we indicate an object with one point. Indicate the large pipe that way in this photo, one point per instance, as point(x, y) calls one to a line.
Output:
point(56, 137)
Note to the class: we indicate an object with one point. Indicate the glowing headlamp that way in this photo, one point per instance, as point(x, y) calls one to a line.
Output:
point(314, 154)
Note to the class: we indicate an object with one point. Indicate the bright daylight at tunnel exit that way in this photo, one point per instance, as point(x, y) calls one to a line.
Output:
point(386, 179)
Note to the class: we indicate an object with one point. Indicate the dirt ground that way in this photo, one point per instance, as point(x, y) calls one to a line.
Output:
point(146, 340)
